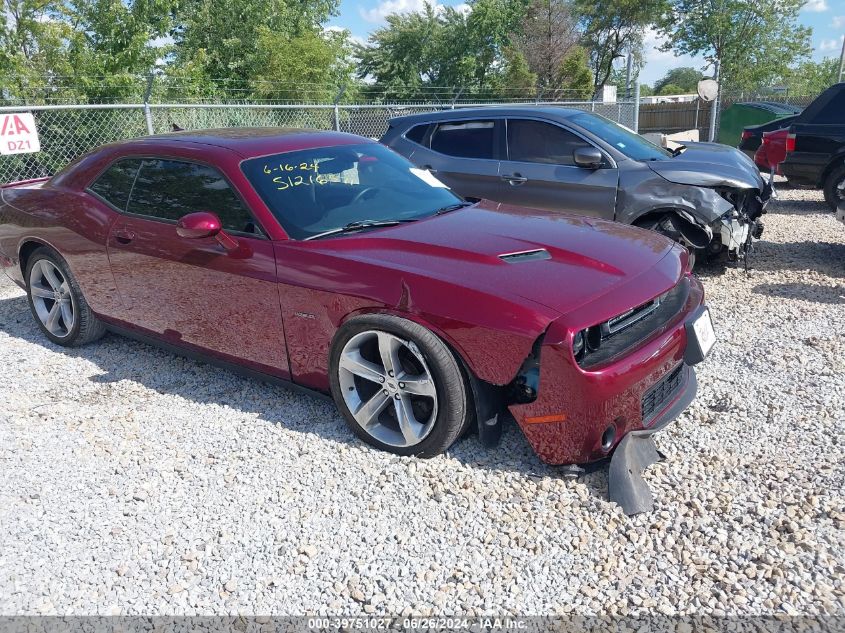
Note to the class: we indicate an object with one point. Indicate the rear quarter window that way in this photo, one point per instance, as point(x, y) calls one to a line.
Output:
point(114, 184)
point(464, 139)
point(417, 133)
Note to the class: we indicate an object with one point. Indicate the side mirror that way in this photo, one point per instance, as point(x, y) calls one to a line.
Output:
point(588, 157)
point(198, 225)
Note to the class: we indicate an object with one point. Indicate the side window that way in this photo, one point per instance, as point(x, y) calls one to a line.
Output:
point(417, 133)
point(833, 112)
point(539, 142)
point(464, 139)
point(115, 183)
point(169, 189)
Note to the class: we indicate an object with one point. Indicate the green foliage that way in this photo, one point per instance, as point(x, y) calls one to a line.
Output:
point(517, 81)
point(683, 79)
point(86, 50)
point(259, 49)
point(611, 28)
point(416, 54)
point(809, 77)
point(575, 77)
point(754, 40)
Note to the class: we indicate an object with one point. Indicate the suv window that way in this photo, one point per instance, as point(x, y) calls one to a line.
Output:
point(115, 183)
point(417, 133)
point(464, 139)
point(538, 142)
point(169, 189)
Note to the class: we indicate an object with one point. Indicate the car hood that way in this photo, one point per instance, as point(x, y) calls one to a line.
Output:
point(580, 258)
point(710, 165)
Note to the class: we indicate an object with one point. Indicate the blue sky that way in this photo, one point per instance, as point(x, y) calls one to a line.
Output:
point(826, 17)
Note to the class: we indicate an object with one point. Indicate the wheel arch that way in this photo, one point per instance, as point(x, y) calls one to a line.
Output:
point(488, 398)
point(837, 161)
point(697, 233)
point(26, 248)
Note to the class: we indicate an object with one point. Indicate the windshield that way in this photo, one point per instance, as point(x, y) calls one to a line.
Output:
point(319, 190)
point(629, 143)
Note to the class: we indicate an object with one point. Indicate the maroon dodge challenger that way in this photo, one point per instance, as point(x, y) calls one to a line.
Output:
point(327, 261)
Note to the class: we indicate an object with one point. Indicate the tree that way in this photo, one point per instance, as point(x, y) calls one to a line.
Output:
point(85, 50)
point(440, 50)
point(236, 47)
point(809, 77)
point(612, 28)
point(752, 40)
point(548, 32)
point(574, 76)
point(683, 78)
point(517, 81)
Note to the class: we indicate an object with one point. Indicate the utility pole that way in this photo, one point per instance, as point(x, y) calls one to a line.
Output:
point(842, 59)
point(628, 73)
point(714, 108)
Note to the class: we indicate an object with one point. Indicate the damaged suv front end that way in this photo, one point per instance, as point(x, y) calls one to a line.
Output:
point(707, 196)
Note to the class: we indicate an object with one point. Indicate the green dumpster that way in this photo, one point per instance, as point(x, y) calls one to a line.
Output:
point(740, 115)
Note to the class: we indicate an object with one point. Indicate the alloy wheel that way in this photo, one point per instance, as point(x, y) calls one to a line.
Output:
point(388, 388)
point(51, 297)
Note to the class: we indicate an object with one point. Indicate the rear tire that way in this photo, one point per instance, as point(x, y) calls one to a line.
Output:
point(834, 188)
point(56, 301)
point(422, 415)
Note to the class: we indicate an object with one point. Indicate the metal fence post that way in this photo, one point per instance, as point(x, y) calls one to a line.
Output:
point(637, 107)
point(337, 107)
point(714, 105)
point(147, 114)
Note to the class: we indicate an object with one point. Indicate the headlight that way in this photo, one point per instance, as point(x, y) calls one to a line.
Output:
point(578, 344)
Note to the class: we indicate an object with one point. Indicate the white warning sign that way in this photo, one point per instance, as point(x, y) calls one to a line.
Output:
point(18, 134)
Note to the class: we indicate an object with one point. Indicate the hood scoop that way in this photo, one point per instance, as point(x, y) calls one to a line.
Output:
point(525, 256)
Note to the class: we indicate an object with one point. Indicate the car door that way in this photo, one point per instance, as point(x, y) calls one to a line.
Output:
point(463, 154)
point(195, 292)
point(539, 171)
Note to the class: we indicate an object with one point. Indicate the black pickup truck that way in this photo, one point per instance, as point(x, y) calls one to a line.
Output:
point(815, 147)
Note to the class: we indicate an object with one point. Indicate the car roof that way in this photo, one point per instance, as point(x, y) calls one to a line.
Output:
point(549, 112)
point(250, 142)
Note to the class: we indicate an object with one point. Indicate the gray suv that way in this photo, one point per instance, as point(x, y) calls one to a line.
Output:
point(707, 196)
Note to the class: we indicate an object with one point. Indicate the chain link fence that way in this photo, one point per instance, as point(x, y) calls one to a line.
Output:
point(68, 131)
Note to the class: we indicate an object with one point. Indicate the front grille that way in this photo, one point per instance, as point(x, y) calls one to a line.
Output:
point(631, 328)
point(662, 392)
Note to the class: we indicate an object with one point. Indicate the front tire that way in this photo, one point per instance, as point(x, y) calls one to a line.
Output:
point(663, 224)
point(398, 386)
point(56, 301)
point(834, 188)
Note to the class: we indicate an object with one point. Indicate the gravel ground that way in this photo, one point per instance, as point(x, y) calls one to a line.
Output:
point(134, 481)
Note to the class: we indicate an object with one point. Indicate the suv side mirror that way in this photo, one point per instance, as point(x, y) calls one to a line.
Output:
point(588, 157)
point(198, 225)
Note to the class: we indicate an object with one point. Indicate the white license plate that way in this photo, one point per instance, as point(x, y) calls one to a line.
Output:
point(704, 332)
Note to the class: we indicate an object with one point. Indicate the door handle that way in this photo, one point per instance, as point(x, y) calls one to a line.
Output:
point(429, 169)
point(514, 179)
point(123, 236)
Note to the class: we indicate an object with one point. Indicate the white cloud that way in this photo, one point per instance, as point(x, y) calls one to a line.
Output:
point(816, 6)
point(657, 62)
point(387, 7)
point(463, 8)
point(831, 45)
point(838, 21)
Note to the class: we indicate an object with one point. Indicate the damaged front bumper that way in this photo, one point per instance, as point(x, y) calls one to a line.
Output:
point(637, 451)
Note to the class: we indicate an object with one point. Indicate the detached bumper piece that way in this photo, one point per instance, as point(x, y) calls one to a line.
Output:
point(637, 451)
